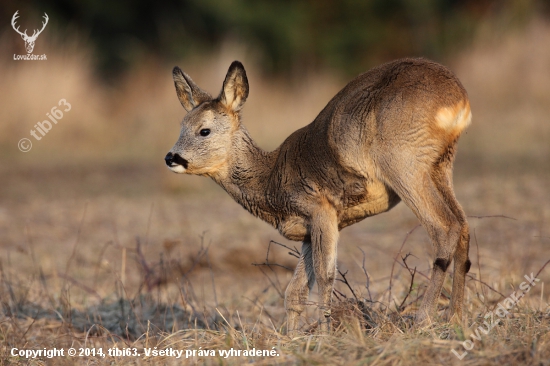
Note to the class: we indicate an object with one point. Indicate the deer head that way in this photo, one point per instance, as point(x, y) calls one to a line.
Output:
point(206, 136)
point(29, 41)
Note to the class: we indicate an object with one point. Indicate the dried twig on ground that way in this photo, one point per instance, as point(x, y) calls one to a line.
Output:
point(412, 272)
point(345, 280)
point(395, 260)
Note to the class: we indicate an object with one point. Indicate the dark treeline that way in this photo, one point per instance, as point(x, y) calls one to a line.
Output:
point(288, 36)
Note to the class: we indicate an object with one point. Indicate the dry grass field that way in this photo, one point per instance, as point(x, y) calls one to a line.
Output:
point(102, 247)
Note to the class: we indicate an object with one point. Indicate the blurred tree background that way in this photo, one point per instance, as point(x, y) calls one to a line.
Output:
point(288, 37)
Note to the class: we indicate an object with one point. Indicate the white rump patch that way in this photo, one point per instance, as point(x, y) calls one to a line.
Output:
point(454, 119)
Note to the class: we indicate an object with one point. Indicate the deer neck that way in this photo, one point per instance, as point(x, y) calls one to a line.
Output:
point(246, 175)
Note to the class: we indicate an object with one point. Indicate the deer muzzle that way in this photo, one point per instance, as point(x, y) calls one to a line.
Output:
point(176, 163)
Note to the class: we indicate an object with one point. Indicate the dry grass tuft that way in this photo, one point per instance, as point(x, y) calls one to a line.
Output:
point(42, 311)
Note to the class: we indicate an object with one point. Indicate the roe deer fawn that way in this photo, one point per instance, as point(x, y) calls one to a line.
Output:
point(388, 135)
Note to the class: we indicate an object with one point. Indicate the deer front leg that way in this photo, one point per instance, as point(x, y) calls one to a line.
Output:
point(298, 289)
point(324, 240)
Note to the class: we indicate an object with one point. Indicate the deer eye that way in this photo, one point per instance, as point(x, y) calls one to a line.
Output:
point(205, 132)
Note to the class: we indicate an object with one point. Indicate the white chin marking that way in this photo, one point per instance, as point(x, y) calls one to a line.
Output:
point(177, 169)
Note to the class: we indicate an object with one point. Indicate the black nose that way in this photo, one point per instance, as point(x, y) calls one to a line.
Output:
point(169, 158)
point(175, 159)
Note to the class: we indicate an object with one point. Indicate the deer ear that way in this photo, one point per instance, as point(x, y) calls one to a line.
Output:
point(235, 87)
point(189, 94)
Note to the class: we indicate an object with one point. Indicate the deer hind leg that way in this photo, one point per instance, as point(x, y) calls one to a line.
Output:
point(442, 177)
point(416, 187)
point(298, 289)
